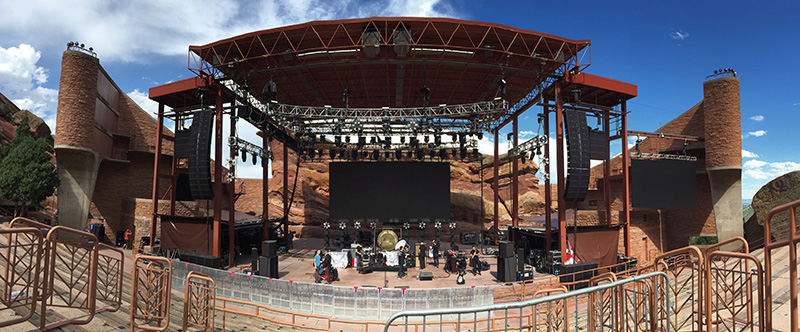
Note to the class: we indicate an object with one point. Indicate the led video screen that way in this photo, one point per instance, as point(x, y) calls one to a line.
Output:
point(662, 183)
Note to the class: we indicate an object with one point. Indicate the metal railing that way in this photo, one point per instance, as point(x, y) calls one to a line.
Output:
point(150, 293)
point(548, 312)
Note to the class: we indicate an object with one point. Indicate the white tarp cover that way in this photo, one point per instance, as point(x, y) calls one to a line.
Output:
point(339, 259)
point(391, 257)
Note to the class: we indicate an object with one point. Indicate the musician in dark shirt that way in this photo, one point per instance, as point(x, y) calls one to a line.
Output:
point(435, 248)
point(476, 261)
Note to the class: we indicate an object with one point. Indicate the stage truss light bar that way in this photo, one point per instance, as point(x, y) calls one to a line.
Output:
point(242, 145)
point(661, 156)
point(529, 145)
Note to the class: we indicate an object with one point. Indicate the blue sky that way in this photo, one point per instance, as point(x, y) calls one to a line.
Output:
point(665, 48)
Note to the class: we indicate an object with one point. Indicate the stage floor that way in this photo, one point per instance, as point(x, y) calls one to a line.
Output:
point(302, 269)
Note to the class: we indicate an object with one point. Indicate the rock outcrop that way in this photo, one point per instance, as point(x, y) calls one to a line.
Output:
point(781, 190)
point(470, 192)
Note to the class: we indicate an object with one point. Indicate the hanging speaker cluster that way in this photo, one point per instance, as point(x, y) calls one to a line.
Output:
point(578, 155)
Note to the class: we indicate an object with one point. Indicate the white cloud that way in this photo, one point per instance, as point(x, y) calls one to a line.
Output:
point(679, 35)
point(758, 118)
point(748, 154)
point(796, 104)
point(145, 27)
point(753, 164)
point(21, 80)
point(757, 133)
point(525, 134)
point(761, 170)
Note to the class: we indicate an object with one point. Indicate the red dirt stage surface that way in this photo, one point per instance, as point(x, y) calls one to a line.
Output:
point(302, 269)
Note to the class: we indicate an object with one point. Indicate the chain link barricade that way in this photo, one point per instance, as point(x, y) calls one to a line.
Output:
point(199, 302)
point(356, 303)
point(21, 257)
point(150, 293)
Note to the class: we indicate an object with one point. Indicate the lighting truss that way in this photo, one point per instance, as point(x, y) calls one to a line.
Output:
point(529, 145)
point(245, 146)
point(465, 118)
point(660, 156)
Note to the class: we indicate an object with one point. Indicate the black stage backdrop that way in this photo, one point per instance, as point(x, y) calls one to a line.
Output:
point(389, 190)
point(662, 183)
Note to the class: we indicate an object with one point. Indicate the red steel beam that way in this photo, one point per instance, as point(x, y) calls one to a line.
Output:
point(286, 189)
point(496, 186)
point(232, 200)
point(607, 169)
point(515, 177)
point(156, 158)
point(562, 213)
point(215, 241)
point(626, 183)
point(265, 140)
point(175, 173)
point(547, 195)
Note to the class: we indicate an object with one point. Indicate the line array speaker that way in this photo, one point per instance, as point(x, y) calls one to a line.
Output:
point(200, 158)
point(183, 143)
point(578, 156)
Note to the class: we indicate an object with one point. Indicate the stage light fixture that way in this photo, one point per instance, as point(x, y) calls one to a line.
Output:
point(523, 156)
point(443, 154)
point(420, 154)
point(426, 93)
point(337, 140)
point(402, 140)
point(332, 153)
point(244, 155)
point(254, 159)
point(362, 141)
point(410, 154)
point(387, 155)
point(387, 142)
point(502, 85)
point(372, 140)
point(270, 90)
point(347, 139)
point(480, 135)
point(432, 153)
point(354, 154)
point(364, 154)
point(322, 139)
point(375, 154)
point(427, 139)
point(437, 140)
point(398, 154)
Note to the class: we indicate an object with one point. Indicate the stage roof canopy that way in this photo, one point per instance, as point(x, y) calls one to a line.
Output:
point(386, 62)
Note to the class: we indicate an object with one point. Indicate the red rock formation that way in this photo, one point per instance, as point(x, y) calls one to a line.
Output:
point(310, 207)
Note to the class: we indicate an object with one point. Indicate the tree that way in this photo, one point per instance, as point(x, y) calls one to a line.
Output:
point(26, 173)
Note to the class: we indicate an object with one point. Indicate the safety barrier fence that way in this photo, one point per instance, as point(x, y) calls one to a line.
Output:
point(552, 310)
point(56, 268)
point(782, 234)
point(354, 303)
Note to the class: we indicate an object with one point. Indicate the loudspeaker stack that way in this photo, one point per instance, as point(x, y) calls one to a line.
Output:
point(268, 262)
point(506, 262)
point(578, 156)
point(200, 157)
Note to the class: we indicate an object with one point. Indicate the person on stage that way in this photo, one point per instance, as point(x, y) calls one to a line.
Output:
point(401, 260)
point(423, 255)
point(317, 260)
point(435, 248)
point(476, 261)
point(359, 256)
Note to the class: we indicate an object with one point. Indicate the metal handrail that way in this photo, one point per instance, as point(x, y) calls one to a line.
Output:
point(527, 303)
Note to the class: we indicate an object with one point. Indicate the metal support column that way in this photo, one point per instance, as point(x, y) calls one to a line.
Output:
point(216, 234)
point(496, 186)
point(515, 176)
point(547, 194)
point(562, 213)
point(265, 186)
point(285, 189)
point(175, 173)
point(626, 182)
point(232, 198)
point(156, 168)
point(607, 168)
